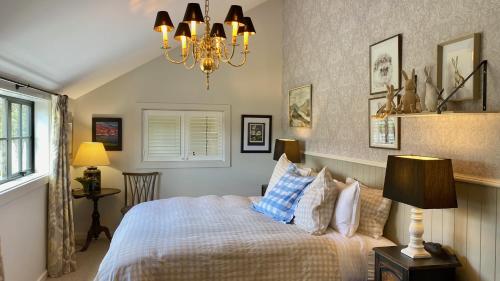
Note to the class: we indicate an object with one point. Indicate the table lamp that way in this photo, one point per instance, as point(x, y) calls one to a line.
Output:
point(289, 147)
point(92, 154)
point(423, 183)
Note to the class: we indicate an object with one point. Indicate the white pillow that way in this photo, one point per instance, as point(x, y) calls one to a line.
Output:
point(315, 208)
point(280, 170)
point(375, 210)
point(345, 217)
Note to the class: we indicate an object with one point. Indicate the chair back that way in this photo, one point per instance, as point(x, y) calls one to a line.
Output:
point(139, 187)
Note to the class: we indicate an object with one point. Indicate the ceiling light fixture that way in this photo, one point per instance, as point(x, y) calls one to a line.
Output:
point(211, 49)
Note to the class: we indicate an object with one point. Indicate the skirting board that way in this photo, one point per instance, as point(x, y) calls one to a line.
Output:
point(458, 177)
point(43, 277)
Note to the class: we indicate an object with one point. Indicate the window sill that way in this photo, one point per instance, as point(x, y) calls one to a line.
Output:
point(12, 190)
point(185, 164)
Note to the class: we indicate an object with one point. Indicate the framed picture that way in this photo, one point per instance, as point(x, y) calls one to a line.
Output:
point(385, 64)
point(300, 107)
point(383, 133)
point(456, 60)
point(256, 133)
point(108, 131)
point(69, 134)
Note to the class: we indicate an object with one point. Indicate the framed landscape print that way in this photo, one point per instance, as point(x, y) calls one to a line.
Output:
point(383, 133)
point(456, 60)
point(108, 131)
point(385, 64)
point(256, 133)
point(300, 107)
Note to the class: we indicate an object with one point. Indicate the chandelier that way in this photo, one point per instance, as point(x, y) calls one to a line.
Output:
point(211, 49)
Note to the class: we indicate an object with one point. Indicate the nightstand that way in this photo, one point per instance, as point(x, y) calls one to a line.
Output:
point(392, 265)
point(263, 189)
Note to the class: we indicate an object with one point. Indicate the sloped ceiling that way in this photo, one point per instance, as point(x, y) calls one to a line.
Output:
point(75, 46)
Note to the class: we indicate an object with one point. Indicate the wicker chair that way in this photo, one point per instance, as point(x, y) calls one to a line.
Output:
point(139, 187)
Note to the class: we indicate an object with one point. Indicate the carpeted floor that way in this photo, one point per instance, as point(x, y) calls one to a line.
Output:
point(87, 262)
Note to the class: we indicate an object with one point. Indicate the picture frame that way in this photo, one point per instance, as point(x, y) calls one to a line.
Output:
point(386, 64)
point(456, 59)
point(108, 131)
point(256, 133)
point(383, 133)
point(69, 134)
point(300, 107)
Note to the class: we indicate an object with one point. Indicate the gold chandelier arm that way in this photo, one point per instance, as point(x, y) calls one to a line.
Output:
point(224, 58)
point(167, 56)
point(194, 59)
point(242, 63)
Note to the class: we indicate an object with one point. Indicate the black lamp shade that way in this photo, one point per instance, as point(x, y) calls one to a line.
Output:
point(162, 18)
point(290, 147)
point(247, 27)
point(182, 30)
point(235, 14)
point(218, 31)
point(193, 13)
point(422, 182)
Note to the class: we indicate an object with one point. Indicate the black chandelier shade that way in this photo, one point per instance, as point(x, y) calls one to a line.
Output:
point(182, 30)
point(247, 27)
point(162, 18)
point(193, 13)
point(218, 31)
point(235, 14)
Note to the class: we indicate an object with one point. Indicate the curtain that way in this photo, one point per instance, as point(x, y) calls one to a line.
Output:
point(61, 257)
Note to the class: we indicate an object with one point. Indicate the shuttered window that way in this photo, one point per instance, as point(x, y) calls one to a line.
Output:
point(183, 135)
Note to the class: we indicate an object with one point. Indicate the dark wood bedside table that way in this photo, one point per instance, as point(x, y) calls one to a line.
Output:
point(392, 265)
point(96, 228)
point(263, 189)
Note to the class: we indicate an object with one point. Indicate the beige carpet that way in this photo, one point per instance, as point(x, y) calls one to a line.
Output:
point(87, 262)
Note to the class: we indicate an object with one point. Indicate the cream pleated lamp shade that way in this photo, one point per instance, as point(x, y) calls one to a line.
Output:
point(91, 154)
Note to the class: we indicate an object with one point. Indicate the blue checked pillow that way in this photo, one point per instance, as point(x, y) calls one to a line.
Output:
point(280, 203)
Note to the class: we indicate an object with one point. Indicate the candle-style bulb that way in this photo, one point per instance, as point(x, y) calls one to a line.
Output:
point(164, 31)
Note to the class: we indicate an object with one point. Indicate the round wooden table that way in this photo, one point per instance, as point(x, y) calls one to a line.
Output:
point(96, 228)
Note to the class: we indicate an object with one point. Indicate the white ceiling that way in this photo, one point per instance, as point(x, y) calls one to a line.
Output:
point(75, 46)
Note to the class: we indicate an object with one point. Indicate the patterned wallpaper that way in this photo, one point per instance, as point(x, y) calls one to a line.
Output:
point(326, 43)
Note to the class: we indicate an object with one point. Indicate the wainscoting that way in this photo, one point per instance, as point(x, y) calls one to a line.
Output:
point(472, 230)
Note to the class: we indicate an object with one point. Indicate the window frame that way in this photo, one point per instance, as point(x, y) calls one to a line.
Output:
point(21, 173)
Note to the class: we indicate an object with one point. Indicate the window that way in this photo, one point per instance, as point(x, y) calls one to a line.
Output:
point(16, 138)
point(184, 136)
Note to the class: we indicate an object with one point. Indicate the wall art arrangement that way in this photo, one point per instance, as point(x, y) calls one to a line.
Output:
point(385, 64)
point(256, 133)
point(300, 107)
point(383, 132)
point(457, 58)
point(108, 131)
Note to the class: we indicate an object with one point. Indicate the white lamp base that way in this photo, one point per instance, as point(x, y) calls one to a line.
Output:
point(415, 249)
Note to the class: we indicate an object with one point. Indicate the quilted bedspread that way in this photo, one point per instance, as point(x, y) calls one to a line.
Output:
point(214, 238)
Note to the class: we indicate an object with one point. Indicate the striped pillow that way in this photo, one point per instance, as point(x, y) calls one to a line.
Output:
point(375, 210)
point(280, 203)
point(314, 210)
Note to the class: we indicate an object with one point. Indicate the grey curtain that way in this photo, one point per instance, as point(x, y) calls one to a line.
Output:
point(61, 232)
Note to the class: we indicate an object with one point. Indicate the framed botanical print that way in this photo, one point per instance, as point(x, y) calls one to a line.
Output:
point(300, 107)
point(383, 133)
point(385, 64)
point(108, 131)
point(456, 60)
point(256, 133)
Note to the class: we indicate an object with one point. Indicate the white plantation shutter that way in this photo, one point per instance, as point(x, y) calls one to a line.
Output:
point(163, 136)
point(205, 135)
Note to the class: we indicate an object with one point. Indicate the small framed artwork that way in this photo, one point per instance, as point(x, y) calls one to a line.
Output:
point(300, 106)
point(456, 60)
point(383, 133)
point(108, 131)
point(385, 64)
point(256, 133)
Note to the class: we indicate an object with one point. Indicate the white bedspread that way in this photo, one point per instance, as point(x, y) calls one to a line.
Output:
point(221, 238)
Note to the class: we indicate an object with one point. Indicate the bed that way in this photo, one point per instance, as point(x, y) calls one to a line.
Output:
point(221, 238)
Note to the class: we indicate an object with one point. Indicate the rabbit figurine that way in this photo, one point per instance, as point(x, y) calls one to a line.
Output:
point(431, 93)
point(410, 102)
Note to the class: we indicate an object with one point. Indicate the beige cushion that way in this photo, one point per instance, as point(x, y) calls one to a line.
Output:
point(375, 210)
point(345, 217)
point(280, 170)
point(315, 208)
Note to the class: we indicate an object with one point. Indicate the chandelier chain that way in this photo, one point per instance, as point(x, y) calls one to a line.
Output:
point(207, 8)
